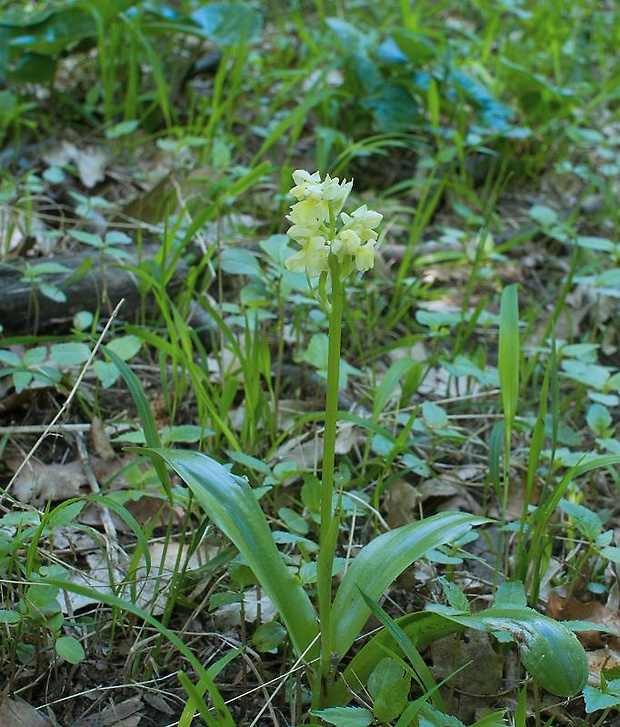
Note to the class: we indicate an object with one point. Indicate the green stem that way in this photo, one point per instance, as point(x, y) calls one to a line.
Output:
point(329, 524)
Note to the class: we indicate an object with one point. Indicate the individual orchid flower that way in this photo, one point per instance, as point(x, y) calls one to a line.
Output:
point(312, 257)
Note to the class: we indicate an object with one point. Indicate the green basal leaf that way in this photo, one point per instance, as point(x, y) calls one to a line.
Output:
point(52, 292)
point(548, 649)
point(231, 504)
point(239, 261)
point(510, 594)
point(228, 23)
point(380, 562)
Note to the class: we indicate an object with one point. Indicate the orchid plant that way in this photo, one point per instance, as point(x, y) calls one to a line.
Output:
point(334, 245)
point(331, 251)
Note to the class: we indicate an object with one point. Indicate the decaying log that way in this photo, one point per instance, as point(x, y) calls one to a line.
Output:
point(96, 283)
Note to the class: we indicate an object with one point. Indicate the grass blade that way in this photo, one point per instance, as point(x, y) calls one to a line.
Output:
point(508, 362)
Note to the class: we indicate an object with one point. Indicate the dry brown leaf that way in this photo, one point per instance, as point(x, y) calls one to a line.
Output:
point(152, 585)
point(485, 676)
point(289, 411)
point(101, 441)
point(60, 154)
point(39, 482)
point(91, 164)
point(599, 660)
point(441, 384)
point(346, 437)
point(158, 702)
point(561, 608)
point(306, 450)
point(96, 577)
point(402, 504)
point(123, 714)
point(15, 713)
point(132, 721)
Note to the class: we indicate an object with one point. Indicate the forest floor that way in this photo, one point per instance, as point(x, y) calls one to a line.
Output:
point(143, 203)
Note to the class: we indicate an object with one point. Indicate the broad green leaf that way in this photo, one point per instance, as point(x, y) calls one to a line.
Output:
point(598, 419)
point(87, 238)
point(431, 717)
point(107, 373)
point(293, 520)
point(421, 672)
point(70, 649)
point(268, 636)
point(9, 617)
point(389, 687)
point(53, 292)
point(599, 698)
point(594, 243)
point(509, 594)
point(117, 237)
point(123, 128)
point(239, 261)
point(548, 649)
point(35, 356)
point(63, 515)
point(545, 216)
point(33, 68)
point(380, 562)
point(230, 502)
point(9, 357)
point(42, 599)
point(21, 379)
point(46, 268)
point(422, 628)
point(125, 346)
point(345, 716)
point(454, 595)
point(228, 23)
point(82, 320)
point(434, 415)
point(69, 354)
point(585, 520)
point(418, 48)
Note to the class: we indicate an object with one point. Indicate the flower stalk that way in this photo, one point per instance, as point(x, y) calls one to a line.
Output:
point(328, 535)
point(332, 245)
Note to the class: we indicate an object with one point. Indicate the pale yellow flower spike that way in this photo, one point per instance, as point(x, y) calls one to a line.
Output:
point(312, 216)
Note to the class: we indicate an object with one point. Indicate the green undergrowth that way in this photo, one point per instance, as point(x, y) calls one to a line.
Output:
point(471, 375)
